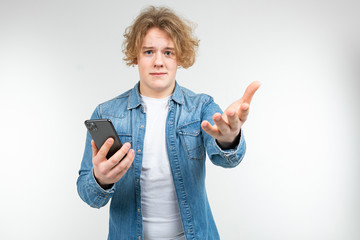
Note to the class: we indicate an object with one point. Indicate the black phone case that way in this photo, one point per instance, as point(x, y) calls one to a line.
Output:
point(102, 129)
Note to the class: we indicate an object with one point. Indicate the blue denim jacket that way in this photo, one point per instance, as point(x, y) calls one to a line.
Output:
point(186, 145)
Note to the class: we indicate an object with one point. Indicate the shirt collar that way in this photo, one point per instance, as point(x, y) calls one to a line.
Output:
point(135, 99)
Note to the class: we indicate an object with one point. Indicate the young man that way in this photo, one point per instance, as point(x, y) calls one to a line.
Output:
point(158, 188)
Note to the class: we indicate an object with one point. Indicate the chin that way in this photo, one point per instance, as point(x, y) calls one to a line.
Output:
point(160, 82)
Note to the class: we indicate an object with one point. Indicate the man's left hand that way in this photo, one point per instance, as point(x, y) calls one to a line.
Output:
point(227, 126)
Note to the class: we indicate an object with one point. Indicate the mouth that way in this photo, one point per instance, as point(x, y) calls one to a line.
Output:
point(158, 73)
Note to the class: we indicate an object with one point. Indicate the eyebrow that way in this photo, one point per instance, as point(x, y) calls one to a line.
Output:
point(167, 48)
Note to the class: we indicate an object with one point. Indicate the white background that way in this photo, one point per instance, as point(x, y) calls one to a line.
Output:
point(300, 176)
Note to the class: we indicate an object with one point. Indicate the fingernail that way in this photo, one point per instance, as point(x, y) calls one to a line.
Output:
point(110, 140)
point(127, 145)
point(231, 113)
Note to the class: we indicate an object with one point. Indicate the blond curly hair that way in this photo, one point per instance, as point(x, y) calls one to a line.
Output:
point(179, 30)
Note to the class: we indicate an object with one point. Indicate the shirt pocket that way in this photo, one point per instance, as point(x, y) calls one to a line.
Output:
point(191, 137)
point(125, 138)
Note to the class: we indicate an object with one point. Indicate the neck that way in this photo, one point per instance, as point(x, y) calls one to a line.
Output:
point(156, 93)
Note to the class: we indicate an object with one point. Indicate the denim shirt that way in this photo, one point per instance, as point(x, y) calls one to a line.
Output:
point(186, 144)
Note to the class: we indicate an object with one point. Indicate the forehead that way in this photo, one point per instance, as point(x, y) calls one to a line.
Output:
point(157, 38)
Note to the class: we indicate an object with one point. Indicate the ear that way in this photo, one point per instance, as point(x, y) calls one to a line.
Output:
point(135, 62)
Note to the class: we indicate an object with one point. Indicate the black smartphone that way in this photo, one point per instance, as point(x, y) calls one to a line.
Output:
point(102, 129)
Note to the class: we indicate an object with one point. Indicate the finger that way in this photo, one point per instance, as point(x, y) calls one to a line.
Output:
point(211, 130)
point(116, 158)
point(250, 91)
point(221, 124)
point(244, 112)
point(124, 165)
point(105, 148)
point(233, 119)
point(94, 149)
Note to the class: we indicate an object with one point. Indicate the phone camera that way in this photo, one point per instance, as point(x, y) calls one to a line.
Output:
point(91, 126)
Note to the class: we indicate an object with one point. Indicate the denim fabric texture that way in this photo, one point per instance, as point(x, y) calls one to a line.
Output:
point(187, 145)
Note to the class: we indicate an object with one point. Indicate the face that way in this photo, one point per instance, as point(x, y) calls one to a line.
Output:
point(157, 64)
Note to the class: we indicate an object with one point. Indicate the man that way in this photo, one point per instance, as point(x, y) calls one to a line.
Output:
point(157, 179)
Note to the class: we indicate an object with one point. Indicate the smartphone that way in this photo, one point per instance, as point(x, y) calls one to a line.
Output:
point(102, 129)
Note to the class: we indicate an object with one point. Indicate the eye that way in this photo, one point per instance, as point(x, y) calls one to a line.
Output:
point(168, 53)
point(148, 52)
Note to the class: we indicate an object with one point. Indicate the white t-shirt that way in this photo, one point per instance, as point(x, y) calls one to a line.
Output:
point(160, 209)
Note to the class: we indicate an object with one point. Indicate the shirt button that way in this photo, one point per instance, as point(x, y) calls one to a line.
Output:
point(139, 150)
point(142, 126)
point(138, 209)
point(139, 237)
point(137, 180)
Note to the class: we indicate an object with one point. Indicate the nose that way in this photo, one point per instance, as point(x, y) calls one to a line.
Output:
point(158, 61)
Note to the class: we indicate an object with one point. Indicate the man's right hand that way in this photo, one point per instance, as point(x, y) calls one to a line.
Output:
point(109, 171)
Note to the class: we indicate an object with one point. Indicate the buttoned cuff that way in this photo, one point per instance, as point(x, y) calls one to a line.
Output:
point(234, 155)
point(96, 188)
